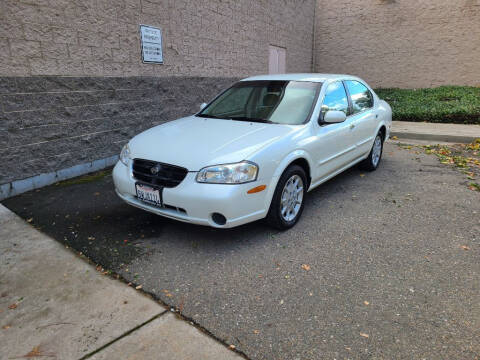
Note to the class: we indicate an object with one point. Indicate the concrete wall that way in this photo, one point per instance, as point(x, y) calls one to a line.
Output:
point(73, 88)
point(400, 43)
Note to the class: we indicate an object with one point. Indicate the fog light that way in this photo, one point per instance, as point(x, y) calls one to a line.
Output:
point(219, 219)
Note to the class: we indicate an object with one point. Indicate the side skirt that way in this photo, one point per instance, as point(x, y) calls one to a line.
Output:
point(342, 169)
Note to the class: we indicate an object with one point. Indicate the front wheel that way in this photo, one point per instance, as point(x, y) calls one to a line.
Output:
point(288, 199)
point(373, 159)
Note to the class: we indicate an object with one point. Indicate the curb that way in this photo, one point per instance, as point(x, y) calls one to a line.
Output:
point(433, 137)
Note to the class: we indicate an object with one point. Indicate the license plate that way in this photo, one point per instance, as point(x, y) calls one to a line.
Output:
point(149, 194)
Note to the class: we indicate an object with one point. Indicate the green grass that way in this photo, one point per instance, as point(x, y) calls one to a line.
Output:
point(445, 104)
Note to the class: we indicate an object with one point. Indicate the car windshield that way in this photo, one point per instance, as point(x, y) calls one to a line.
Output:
point(279, 102)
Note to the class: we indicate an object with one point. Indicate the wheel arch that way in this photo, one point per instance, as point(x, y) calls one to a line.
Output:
point(298, 157)
point(383, 131)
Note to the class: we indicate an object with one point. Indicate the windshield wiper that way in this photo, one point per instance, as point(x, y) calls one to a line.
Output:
point(245, 118)
point(211, 116)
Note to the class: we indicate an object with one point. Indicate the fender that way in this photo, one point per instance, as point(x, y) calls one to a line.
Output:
point(385, 113)
point(291, 157)
point(282, 165)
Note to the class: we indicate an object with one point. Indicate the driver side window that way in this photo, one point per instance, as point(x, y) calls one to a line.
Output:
point(335, 98)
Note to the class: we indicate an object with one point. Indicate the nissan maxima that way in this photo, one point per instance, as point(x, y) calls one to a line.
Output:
point(255, 151)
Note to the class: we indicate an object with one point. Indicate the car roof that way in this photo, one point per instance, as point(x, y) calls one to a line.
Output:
point(302, 77)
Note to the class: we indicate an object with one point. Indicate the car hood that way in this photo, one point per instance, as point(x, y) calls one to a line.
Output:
point(195, 142)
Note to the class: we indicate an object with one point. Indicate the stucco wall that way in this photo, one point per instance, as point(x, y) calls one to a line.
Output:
point(400, 43)
point(201, 37)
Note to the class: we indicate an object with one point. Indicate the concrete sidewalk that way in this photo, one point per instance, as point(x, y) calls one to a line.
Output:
point(55, 305)
point(455, 133)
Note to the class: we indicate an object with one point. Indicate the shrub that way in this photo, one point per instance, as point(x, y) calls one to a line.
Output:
point(445, 104)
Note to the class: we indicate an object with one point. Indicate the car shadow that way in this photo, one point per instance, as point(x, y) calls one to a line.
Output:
point(89, 217)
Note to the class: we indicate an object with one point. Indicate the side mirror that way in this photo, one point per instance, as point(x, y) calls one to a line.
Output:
point(202, 106)
point(334, 116)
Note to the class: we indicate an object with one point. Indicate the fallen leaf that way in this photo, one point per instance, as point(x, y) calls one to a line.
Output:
point(36, 352)
point(366, 302)
point(364, 335)
point(465, 247)
point(6, 327)
point(362, 175)
point(138, 287)
point(91, 238)
point(232, 347)
point(12, 306)
point(394, 138)
point(29, 220)
point(256, 332)
point(96, 193)
point(306, 267)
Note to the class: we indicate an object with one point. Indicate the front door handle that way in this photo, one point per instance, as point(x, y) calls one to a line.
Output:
point(352, 126)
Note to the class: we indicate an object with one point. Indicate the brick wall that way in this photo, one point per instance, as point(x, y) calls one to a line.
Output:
point(400, 43)
point(201, 37)
point(73, 88)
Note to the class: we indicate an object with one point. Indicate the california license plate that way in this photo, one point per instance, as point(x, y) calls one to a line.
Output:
point(148, 194)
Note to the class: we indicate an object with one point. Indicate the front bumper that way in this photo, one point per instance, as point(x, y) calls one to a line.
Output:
point(195, 203)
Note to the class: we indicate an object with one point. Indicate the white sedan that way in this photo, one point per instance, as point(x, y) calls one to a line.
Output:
point(255, 150)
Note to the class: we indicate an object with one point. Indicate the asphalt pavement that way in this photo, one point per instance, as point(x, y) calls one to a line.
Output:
point(382, 265)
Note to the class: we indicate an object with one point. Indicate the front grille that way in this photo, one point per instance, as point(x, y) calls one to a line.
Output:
point(168, 175)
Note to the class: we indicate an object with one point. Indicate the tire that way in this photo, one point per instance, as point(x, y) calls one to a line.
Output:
point(284, 215)
point(373, 160)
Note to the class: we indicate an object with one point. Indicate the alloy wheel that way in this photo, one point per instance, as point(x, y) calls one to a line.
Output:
point(376, 151)
point(292, 198)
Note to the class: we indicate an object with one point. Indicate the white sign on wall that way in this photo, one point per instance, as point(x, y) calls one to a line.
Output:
point(151, 39)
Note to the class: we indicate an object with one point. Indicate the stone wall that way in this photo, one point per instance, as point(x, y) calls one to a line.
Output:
point(400, 43)
point(52, 123)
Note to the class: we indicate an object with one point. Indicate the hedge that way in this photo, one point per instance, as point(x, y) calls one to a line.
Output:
point(445, 104)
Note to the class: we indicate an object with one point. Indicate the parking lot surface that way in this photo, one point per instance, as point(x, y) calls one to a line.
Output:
point(382, 265)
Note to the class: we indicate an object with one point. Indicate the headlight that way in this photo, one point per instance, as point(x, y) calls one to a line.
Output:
point(125, 155)
point(238, 173)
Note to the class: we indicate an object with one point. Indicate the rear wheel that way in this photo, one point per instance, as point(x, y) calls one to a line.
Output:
point(288, 199)
point(373, 160)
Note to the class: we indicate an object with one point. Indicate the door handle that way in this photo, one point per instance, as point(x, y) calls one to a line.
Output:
point(352, 126)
